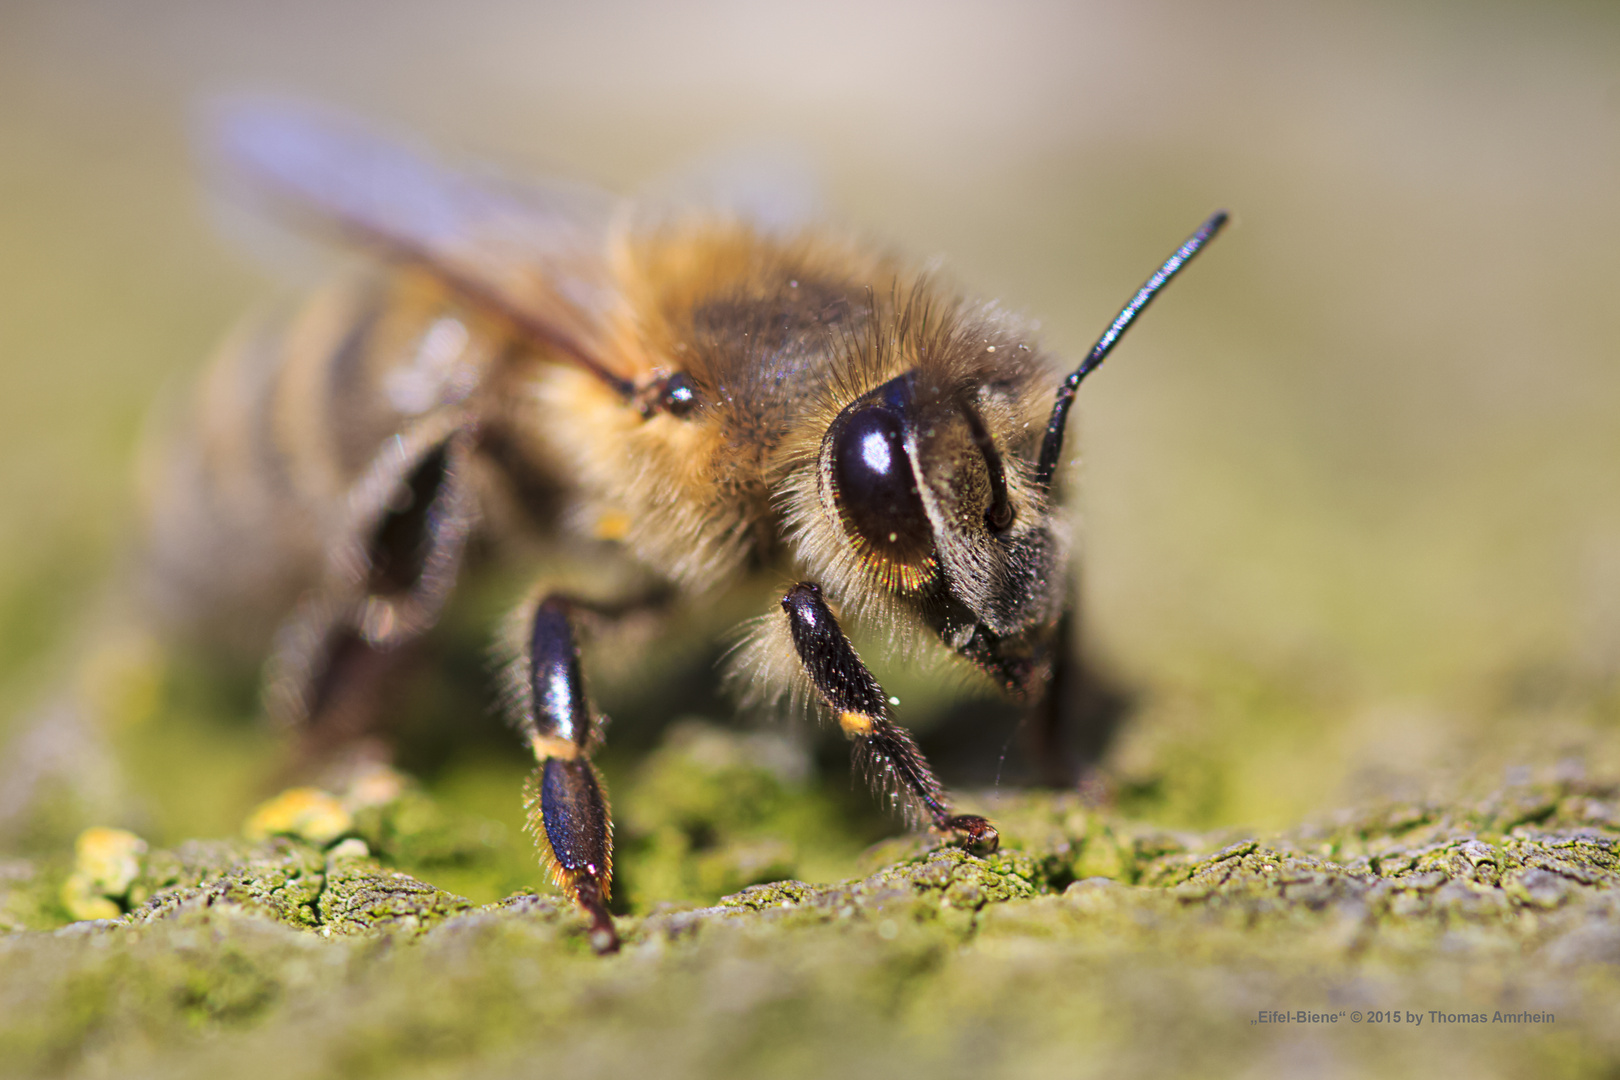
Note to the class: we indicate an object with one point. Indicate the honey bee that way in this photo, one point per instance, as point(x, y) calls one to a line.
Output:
point(708, 397)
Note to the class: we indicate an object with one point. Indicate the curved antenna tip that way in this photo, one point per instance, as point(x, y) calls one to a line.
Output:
point(1052, 445)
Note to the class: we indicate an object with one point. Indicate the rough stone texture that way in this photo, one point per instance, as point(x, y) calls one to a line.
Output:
point(1090, 945)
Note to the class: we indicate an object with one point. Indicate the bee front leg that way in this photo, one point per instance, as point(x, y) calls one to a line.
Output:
point(568, 810)
point(884, 748)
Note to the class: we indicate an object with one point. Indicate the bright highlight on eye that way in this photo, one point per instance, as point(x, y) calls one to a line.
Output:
point(875, 452)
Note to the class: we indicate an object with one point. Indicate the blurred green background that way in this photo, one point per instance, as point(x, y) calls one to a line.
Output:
point(1349, 504)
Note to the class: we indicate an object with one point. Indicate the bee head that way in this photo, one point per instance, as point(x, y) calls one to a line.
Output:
point(942, 516)
point(932, 501)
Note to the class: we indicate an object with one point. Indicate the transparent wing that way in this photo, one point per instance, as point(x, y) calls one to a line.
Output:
point(537, 256)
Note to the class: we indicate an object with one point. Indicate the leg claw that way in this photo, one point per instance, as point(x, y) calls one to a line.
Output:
point(603, 937)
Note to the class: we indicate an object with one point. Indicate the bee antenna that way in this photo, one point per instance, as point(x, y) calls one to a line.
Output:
point(1052, 445)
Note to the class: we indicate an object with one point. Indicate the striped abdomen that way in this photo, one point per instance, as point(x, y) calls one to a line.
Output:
point(255, 489)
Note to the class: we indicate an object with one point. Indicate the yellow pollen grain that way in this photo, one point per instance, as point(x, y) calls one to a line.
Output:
point(612, 525)
point(307, 813)
point(855, 723)
point(106, 863)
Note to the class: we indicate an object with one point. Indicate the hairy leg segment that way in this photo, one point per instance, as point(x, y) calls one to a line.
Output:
point(883, 749)
point(568, 810)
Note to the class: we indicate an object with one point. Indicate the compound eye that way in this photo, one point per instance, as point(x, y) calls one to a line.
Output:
point(876, 489)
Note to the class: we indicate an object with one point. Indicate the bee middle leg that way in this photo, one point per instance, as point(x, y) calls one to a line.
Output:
point(884, 748)
point(351, 639)
point(568, 808)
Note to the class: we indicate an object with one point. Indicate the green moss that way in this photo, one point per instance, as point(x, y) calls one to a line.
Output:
point(281, 879)
point(415, 831)
point(1090, 937)
point(360, 897)
point(31, 894)
point(712, 812)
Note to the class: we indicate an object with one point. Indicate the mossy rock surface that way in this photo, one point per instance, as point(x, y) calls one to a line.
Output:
point(1090, 944)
